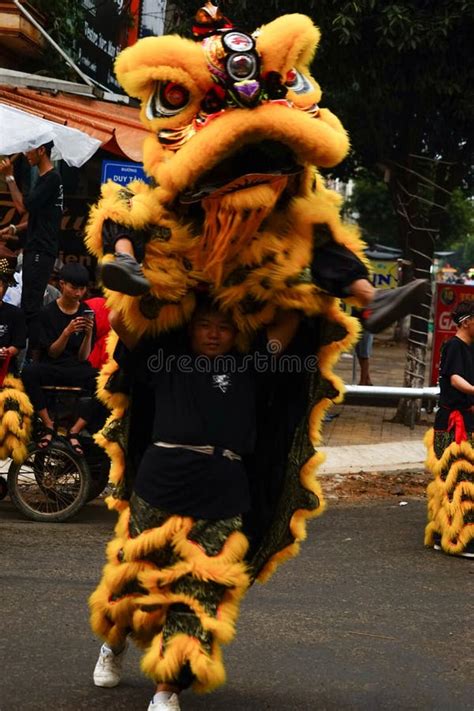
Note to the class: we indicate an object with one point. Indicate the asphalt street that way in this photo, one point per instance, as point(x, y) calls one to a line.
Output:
point(365, 618)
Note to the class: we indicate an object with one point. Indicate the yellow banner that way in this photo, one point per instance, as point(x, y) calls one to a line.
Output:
point(384, 274)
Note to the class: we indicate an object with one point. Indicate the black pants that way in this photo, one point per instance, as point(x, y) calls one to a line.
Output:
point(37, 268)
point(35, 375)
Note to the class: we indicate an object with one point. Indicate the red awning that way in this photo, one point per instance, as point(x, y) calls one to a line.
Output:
point(118, 127)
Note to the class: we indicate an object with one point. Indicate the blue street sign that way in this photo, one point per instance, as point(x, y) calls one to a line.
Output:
point(122, 173)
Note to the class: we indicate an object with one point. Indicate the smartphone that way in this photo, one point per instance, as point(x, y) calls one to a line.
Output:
point(88, 313)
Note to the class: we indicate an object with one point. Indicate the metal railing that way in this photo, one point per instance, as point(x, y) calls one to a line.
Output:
point(389, 392)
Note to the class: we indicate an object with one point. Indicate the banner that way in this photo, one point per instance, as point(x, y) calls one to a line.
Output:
point(384, 273)
point(446, 298)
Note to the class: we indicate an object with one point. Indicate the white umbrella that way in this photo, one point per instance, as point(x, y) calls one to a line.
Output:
point(21, 131)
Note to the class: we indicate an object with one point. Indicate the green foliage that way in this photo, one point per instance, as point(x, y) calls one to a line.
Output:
point(458, 230)
point(371, 205)
point(399, 74)
point(64, 21)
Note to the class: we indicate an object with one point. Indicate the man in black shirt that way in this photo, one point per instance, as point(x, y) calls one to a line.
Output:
point(66, 338)
point(191, 474)
point(450, 446)
point(41, 212)
point(456, 373)
point(12, 324)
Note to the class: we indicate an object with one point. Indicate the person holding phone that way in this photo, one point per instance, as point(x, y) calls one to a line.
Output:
point(67, 335)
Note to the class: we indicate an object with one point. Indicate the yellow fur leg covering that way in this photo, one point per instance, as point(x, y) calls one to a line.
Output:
point(16, 412)
point(150, 579)
point(450, 495)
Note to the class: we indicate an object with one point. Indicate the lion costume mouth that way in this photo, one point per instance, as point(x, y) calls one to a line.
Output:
point(252, 165)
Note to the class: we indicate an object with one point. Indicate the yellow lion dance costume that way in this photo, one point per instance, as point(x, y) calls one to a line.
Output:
point(254, 143)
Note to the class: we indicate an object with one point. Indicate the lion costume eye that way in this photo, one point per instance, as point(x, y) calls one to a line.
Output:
point(168, 99)
point(297, 82)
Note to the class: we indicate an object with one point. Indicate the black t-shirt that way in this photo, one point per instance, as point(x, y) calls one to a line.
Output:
point(203, 401)
point(456, 359)
point(12, 329)
point(44, 204)
point(198, 401)
point(53, 321)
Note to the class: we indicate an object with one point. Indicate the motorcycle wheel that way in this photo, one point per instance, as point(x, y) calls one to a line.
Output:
point(51, 485)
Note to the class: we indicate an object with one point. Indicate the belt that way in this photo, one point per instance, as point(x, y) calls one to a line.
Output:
point(204, 449)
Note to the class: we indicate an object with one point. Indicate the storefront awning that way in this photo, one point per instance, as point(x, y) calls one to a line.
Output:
point(117, 127)
point(22, 131)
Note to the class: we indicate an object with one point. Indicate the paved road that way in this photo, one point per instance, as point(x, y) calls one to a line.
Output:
point(364, 619)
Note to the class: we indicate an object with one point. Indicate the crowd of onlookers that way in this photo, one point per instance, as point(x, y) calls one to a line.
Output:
point(49, 334)
point(448, 276)
point(68, 347)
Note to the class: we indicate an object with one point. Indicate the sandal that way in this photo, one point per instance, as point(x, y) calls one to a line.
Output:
point(73, 439)
point(46, 438)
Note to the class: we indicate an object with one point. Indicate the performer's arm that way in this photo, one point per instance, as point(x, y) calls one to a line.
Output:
point(458, 382)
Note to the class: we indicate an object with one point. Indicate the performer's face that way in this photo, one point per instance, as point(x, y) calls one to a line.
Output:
point(212, 334)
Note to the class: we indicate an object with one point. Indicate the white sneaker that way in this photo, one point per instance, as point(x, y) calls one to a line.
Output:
point(108, 670)
point(164, 701)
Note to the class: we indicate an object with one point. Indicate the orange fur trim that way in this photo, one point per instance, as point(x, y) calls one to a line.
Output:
point(321, 141)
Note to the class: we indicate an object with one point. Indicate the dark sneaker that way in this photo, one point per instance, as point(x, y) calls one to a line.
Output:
point(124, 274)
point(389, 305)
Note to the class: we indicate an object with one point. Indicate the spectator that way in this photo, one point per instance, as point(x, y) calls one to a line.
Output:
point(66, 339)
point(450, 444)
point(40, 212)
point(13, 293)
point(363, 353)
point(12, 324)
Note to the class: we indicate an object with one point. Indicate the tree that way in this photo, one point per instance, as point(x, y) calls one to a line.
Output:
point(458, 230)
point(64, 21)
point(370, 201)
point(400, 76)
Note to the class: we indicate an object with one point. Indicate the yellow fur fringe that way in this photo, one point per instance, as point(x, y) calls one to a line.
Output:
point(450, 498)
point(16, 413)
point(144, 615)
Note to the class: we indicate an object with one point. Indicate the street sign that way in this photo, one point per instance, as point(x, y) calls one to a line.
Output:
point(446, 298)
point(122, 172)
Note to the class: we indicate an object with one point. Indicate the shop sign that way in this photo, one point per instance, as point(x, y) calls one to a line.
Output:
point(447, 296)
point(384, 273)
